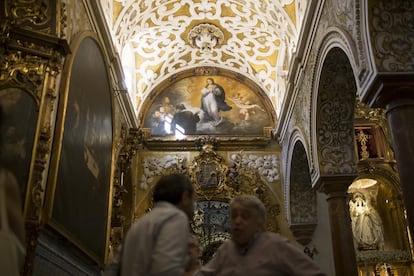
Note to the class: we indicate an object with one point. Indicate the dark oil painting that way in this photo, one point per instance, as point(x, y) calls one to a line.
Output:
point(17, 133)
point(81, 198)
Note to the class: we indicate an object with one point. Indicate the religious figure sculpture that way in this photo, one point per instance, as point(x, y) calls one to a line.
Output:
point(366, 223)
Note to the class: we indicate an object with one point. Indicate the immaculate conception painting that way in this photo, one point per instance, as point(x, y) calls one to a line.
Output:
point(201, 105)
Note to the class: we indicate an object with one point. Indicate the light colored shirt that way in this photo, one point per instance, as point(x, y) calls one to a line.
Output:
point(156, 244)
point(268, 254)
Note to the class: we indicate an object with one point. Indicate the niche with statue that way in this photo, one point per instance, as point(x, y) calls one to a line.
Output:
point(379, 226)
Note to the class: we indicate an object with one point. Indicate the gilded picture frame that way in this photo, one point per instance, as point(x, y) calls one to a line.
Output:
point(79, 197)
point(18, 132)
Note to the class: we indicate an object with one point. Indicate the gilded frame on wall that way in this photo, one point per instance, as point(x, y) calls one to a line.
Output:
point(18, 132)
point(209, 173)
point(78, 203)
point(207, 101)
point(369, 141)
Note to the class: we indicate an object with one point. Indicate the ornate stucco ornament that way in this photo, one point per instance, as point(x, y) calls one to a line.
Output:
point(205, 37)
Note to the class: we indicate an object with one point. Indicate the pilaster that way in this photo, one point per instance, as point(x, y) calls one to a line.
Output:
point(336, 187)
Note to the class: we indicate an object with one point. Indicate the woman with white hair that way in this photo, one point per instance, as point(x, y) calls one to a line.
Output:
point(254, 251)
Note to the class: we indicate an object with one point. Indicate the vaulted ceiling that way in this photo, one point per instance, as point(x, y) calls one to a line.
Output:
point(158, 38)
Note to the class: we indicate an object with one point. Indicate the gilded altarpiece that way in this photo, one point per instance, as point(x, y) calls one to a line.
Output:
point(31, 57)
point(217, 177)
point(379, 225)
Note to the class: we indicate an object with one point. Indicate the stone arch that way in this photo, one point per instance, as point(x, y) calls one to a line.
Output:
point(334, 115)
point(295, 137)
point(336, 53)
point(332, 118)
point(300, 197)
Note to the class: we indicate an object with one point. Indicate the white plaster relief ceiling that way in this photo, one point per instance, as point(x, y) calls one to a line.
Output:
point(254, 38)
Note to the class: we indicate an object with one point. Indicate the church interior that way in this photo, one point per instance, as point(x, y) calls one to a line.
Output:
point(307, 104)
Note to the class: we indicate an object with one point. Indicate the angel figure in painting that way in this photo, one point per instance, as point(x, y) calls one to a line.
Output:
point(246, 108)
point(366, 223)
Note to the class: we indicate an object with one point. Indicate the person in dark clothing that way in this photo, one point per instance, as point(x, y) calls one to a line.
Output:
point(184, 119)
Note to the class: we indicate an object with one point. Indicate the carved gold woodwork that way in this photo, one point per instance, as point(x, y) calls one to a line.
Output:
point(373, 139)
point(245, 180)
point(216, 183)
point(31, 58)
point(130, 140)
point(36, 184)
point(35, 74)
point(42, 16)
point(208, 173)
point(215, 180)
point(378, 180)
point(191, 143)
point(23, 71)
point(377, 165)
point(369, 142)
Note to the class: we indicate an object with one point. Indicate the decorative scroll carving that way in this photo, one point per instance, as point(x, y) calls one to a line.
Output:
point(28, 57)
point(41, 152)
point(216, 184)
point(362, 111)
point(37, 189)
point(31, 60)
point(131, 139)
point(208, 172)
point(156, 166)
point(392, 35)
point(33, 14)
point(206, 141)
point(205, 37)
point(250, 44)
point(375, 125)
point(383, 256)
point(246, 180)
point(302, 197)
point(23, 71)
point(267, 165)
point(335, 115)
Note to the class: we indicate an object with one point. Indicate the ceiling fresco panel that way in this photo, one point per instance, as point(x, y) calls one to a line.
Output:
point(257, 39)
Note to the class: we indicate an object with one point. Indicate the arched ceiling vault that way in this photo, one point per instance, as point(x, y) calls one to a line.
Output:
point(162, 37)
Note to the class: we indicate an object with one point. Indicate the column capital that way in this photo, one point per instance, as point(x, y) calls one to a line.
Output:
point(387, 88)
point(335, 185)
point(400, 102)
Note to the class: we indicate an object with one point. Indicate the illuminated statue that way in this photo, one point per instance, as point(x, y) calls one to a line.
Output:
point(366, 223)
